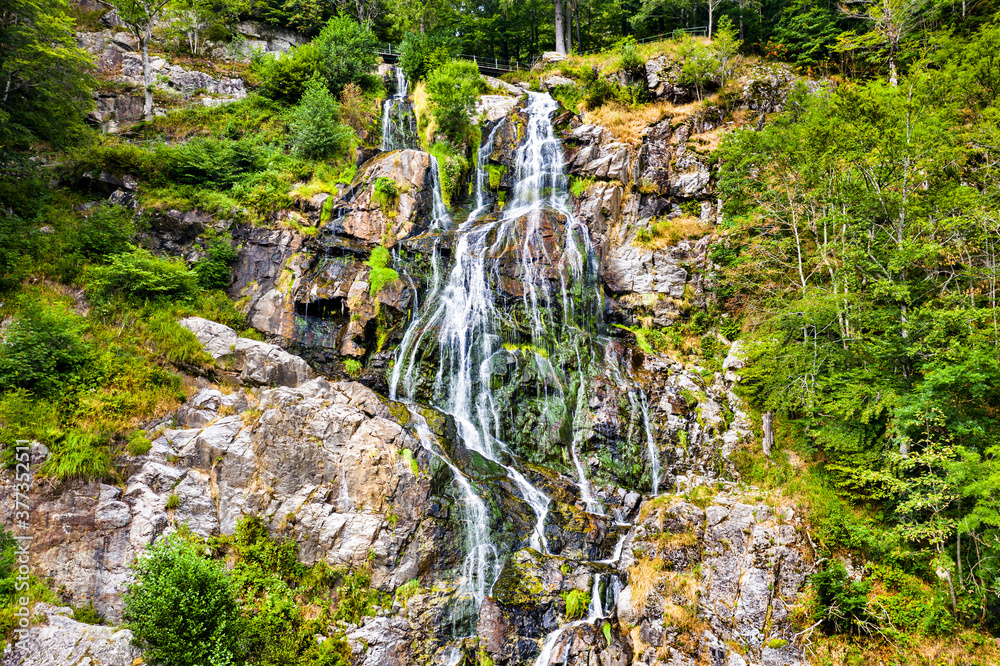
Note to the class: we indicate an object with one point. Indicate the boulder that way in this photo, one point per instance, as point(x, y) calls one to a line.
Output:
point(494, 107)
point(62, 641)
point(258, 362)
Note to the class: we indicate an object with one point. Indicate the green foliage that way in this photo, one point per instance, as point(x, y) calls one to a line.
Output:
point(452, 90)
point(182, 609)
point(138, 275)
point(577, 603)
point(213, 269)
point(421, 53)
point(173, 502)
point(452, 168)
point(44, 349)
point(346, 53)
point(79, 455)
point(87, 614)
point(106, 230)
point(284, 79)
point(380, 274)
point(314, 130)
point(809, 31)
point(407, 590)
point(352, 367)
point(138, 443)
point(843, 604)
point(46, 77)
point(386, 194)
point(629, 60)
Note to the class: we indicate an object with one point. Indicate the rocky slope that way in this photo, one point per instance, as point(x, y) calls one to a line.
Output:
point(708, 571)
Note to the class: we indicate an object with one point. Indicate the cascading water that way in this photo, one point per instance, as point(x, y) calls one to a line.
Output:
point(399, 129)
point(522, 292)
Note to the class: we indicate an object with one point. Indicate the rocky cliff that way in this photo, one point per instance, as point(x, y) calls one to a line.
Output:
point(681, 564)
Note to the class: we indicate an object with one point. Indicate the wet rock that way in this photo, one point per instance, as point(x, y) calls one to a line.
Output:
point(62, 641)
point(386, 223)
point(494, 107)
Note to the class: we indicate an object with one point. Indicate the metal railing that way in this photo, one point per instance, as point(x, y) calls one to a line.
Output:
point(500, 65)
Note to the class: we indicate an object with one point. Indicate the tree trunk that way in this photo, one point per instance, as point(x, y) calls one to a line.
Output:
point(742, 36)
point(768, 442)
point(569, 26)
point(560, 40)
point(892, 69)
point(576, 13)
point(147, 107)
point(711, 10)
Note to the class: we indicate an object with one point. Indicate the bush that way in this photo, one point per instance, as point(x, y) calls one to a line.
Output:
point(452, 90)
point(181, 609)
point(346, 53)
point(422, 53)
point(138, 443)
point(44, 350)
point(577, 603)
point(107, 230)
point(314, 130)
point(140, 276)
point(629, 60)
point(842, 603)
point(284, 79)
point(211, 161)
point(385, 193)
point(213, 270)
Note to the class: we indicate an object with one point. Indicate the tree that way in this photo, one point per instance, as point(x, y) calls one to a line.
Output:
point(138, 17)
point(891, 21)
point(452, 90)
point(346, 52)
point(315, 130)
point(45, 80)
point(181, 609)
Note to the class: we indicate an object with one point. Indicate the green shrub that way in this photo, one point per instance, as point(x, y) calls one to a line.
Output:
point(842, 603)
point(452, 169)
point(352, 367)
point(452, 90)
point(140, 276)
point(629, 60)
point(173, 502)
point(407, 590)
point(181, 608)
point(213, 269)
point(422, 53)
point(87, 614)
point(284, 79)
point(346, 53)
point(385, 193)
point(314, 129)
point(379, 275)
point(138, 443)
point(44, 350)
point(577, 603)
point(202, 161)
point(107, 230)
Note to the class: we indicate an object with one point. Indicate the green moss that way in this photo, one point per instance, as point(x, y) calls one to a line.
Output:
point(379, 275)
point(496, 174)
point(352, 367)
point(385, 194)
point(777, 643)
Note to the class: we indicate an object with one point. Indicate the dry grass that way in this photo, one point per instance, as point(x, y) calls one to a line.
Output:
point(670, 231)
point(627, 123)
point(426, 126)
point(643, 577)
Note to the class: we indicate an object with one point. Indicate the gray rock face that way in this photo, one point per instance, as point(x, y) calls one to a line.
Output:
point(494, 107)
point(599, 158)
point(258, 362)
point(735, 569)
point(62, 641)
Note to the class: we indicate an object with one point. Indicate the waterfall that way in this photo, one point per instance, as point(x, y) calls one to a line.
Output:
point(506, 342)
point(399, 127)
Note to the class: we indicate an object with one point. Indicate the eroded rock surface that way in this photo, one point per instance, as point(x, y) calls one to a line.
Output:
point(62, 641)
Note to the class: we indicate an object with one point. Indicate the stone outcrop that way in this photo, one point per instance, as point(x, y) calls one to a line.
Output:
point(372, 221)
point(714, 583)
point(59, 640)
point(319, 461)
point(257, 362)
